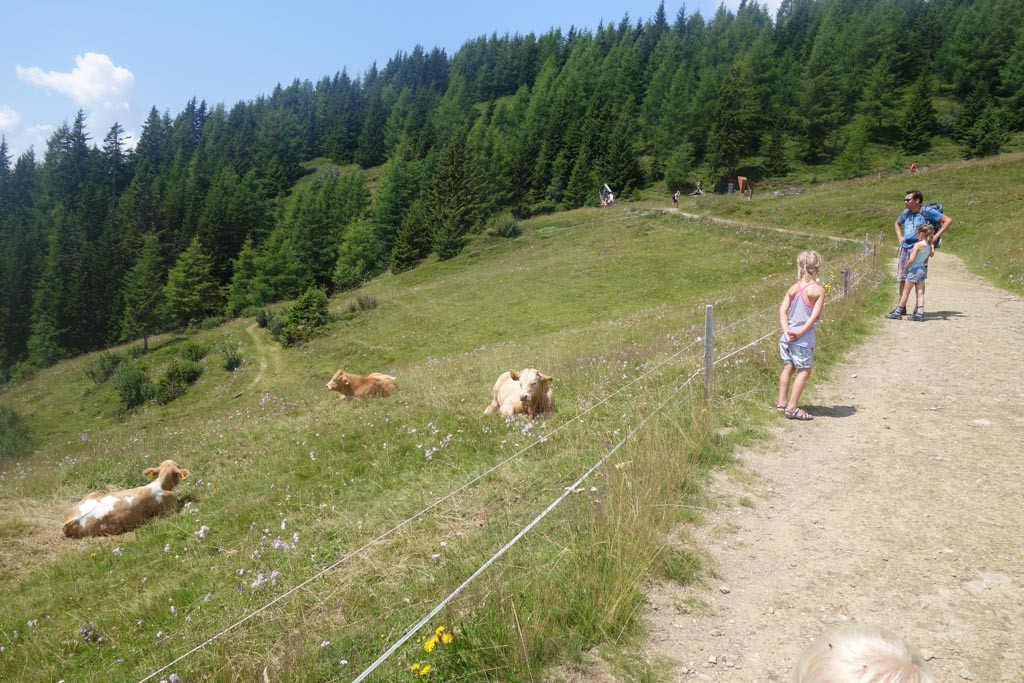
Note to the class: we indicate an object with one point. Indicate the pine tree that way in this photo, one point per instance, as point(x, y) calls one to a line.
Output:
point(412, 242)
point(191, 293)
point(453, 200)
point(854, 159)
point(917, 116)
point(241, 294)
point(144, 294)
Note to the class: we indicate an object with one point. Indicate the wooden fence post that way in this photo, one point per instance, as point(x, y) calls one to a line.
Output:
point(846, 282)
point(709, 350)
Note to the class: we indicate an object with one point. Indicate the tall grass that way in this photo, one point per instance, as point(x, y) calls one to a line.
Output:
point(360, 517)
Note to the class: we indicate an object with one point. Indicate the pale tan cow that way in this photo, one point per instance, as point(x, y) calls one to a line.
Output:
point(522, 392)
point(106, 514)
point(374, 385)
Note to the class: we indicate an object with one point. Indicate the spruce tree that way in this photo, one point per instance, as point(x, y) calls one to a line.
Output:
point(144, 294)
point(192, 293)
point(917, 116)
point(412, 242)
point(453, 201)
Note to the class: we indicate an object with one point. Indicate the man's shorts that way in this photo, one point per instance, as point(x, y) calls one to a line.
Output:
point(919, 274)
point(901, 265)
point(800, 357)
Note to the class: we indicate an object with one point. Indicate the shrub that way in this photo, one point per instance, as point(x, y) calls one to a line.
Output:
point(306, 318)
point(13, 433)
point(363, 302)
point(230, 354)
point(100, 370)
point(194, 351)
point(211, 322)
point(504, 225)
point(136, 352)
point(262, 317)
point(176, 380)
point(132, 384)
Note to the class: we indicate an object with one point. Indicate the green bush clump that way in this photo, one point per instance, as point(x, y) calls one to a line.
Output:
point(231, 355)
point(307, 317)
point(194, 351)
point(100, 370)
point(176, 380)
point(504, 225)
point(13, 433)
point(132, 385)
point(262, 317)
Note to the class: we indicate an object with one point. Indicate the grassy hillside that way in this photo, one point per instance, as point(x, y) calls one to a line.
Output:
point(313, 533)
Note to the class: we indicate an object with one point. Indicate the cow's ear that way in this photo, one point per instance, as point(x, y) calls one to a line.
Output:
point(184, 473)
point(514, 374)
point(151, 472)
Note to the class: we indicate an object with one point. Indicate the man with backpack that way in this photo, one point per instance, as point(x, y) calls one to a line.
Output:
point(915, 214)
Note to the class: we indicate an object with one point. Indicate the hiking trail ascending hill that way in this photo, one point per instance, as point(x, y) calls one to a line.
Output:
point(902, 504)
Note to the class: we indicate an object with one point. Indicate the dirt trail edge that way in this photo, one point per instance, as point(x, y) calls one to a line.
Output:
point(902, 504)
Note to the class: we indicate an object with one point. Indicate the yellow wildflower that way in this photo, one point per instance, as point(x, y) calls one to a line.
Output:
point(425, 670)
point(415, 667)
point(446, 638)
point(439, 630)
point(429, 645)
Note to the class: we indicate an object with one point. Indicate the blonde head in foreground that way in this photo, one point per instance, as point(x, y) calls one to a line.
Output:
point(808, 263)
point(861, 654)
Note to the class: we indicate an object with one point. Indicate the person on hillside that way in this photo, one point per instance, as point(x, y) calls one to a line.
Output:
point(916, 273)
point(861, 653)
point(675, 200)
point(745, 186)
point(799, 314)
point(913, 168)
point(913, 216)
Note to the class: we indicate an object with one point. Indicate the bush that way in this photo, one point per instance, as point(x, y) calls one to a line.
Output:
point(13, 433)
point(504, 225)
point(262, 317)
point(100, 370)
point(231, 355)
point(363, 302)
point(176, 380)
point(194, 351)
point(306, 318)
point(132, 384)
point(212, 322)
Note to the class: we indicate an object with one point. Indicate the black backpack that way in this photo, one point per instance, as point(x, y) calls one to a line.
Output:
point(935, 226)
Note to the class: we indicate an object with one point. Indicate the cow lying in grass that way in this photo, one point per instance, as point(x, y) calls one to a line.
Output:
point(374, 385)
point(522, 392)
point(106, 514)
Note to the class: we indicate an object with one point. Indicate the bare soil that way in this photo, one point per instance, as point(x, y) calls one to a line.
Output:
point(901, 504)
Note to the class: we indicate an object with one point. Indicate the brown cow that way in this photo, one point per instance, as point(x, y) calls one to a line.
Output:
point(106, 514)
point(374, 385)
point(521, 392)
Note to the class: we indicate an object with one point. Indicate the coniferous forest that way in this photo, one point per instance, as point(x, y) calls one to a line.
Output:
point(202, 219)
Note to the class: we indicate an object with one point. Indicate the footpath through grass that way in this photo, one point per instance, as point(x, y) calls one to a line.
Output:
point(302, 548)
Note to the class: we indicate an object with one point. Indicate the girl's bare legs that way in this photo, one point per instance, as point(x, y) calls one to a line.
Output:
point(787, 374)
point(919, 289)
point(798, 388)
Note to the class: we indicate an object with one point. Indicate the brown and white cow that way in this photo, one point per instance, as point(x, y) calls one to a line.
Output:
point(374, 385)
point(106, 514)
point(522, 392)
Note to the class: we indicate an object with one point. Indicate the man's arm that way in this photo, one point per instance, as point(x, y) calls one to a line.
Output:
point(943, 225)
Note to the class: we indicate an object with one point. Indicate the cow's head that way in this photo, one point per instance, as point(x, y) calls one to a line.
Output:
point(169, 473)
point(339, 382)
point(532, 385)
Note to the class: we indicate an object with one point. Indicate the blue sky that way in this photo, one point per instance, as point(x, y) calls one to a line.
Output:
point(115, 60)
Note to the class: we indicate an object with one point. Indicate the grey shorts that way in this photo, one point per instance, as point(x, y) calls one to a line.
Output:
point(800, 357)
point(917, 274)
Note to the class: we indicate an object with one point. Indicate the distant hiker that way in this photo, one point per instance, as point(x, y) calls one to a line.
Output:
point(910, 219)
point(745, 186)
point(675, 199)
point(913, 168)
point(916, 272)
point(799, 314)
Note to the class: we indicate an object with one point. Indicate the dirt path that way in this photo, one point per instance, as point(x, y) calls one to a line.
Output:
point(902, 505)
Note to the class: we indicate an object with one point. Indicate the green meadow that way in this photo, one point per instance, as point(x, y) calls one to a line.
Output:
point(313, 533)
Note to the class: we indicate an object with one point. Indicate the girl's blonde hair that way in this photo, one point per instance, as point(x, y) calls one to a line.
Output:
point(861, 654)
point(928, 232)
point(809, 263)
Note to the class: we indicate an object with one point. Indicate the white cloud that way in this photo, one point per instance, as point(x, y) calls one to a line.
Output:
point(9, 119)
point(95, 82)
